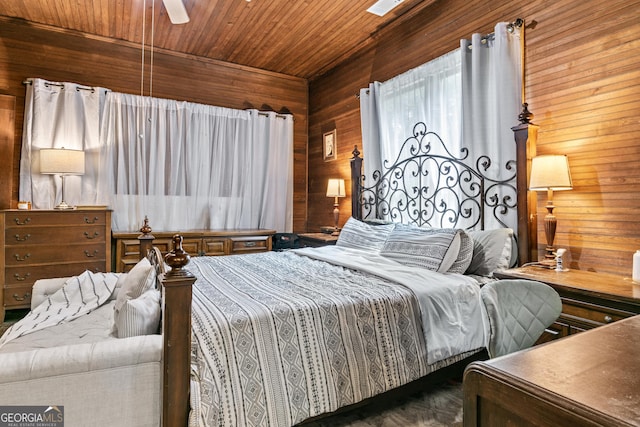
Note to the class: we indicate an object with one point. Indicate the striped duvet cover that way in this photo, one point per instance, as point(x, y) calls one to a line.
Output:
point(279, 337)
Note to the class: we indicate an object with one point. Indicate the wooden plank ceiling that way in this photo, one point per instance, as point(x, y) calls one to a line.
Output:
point(302, 38)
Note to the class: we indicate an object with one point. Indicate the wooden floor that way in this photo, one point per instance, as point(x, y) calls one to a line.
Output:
point(438, 406)
point(10, 318)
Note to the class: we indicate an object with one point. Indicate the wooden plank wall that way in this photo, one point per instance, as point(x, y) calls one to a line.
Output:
point(582, 84)
point(38, 51)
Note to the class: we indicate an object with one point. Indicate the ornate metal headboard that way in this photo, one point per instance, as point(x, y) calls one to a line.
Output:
point(428, 185)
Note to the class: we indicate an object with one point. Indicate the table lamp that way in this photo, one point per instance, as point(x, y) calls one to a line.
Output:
point(550, 172)
point(335, 189)
point(63, 162)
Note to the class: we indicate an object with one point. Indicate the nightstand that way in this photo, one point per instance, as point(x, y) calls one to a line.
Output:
point(589, 299)
point(315, 240)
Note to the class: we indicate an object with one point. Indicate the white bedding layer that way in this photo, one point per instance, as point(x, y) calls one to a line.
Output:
point(90, 328)
point(454, 320)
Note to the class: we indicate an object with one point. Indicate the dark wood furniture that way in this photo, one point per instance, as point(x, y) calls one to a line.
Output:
point(195, 242)
point(315, 240)
point(589, 299)
point(588, 379)
point(37, 244)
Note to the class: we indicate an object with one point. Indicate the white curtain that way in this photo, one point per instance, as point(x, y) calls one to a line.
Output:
point(491, 102)
point(185, 165)
point(470, 97)
point(60, 115)
point(194, 166)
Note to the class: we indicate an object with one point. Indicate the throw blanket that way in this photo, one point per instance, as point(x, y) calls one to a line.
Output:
point(78, 296)
point(280, 337)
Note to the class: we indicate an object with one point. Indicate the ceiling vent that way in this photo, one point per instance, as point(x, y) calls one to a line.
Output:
point(381, 7)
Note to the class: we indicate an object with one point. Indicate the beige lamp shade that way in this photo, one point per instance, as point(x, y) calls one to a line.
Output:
point(550, 172)
point(335, 188)
point(60, 161)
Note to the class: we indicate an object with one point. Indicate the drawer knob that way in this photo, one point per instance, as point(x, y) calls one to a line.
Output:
point(608, 319)
point(91, 221)
point(250, 244)
point(27, 220)
point(19, 298)
point(22, 239)
point(24, 258)
point(90, 255)
point(88, 236)
point(23, 278)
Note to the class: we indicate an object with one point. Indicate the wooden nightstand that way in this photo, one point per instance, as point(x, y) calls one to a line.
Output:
point(588, 299)
point(315, 240)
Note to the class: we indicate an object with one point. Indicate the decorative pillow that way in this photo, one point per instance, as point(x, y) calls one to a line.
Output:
point(359, 235)
point(492, 250)
point(121, 279)
point(139, 316)
point(433, 249)
point(139, 279)
point(465, 254)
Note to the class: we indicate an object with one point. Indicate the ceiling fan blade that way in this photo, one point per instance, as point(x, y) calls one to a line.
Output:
point(176, 11)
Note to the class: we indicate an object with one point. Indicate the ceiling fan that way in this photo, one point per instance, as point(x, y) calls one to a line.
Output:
point(176, 11)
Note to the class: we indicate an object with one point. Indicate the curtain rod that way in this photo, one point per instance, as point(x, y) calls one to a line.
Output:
point(60, 85)
point(280, 116)
point(510, 29)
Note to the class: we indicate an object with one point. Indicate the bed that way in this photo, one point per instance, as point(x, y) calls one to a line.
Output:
point(280, 337)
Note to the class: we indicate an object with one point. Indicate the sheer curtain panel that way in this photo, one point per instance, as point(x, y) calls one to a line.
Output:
point(194, 166)
point(60, 115)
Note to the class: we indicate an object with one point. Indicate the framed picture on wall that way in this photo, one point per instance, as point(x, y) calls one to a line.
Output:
point(329, 145)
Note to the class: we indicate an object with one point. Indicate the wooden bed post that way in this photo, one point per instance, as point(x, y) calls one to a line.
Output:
point(356, 182)
point(526, 134)
point(176, 332)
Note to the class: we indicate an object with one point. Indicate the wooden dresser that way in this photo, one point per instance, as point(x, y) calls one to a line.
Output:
point(195, 242)
point(40, 244)
point(587, 379)
point(589, 299)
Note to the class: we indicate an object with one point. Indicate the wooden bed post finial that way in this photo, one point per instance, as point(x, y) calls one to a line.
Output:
point(177, 258)
point(146, 238)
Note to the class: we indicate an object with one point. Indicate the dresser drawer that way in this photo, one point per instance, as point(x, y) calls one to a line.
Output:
point(40, 218)
point(28, 274)
point(17, 296)
point(53, 254)
point(588, 312)
point(240, 245)
point(213, 247)
point(54, 234)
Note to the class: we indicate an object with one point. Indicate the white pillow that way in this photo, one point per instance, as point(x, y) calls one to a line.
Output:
point(465, 254)
point(430, 248)
point(360, 235)
point(139, 316)
point(139, 279)
point(492, 250)
point(121, 279)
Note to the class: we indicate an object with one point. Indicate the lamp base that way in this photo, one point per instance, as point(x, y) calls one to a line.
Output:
point(63, 206)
